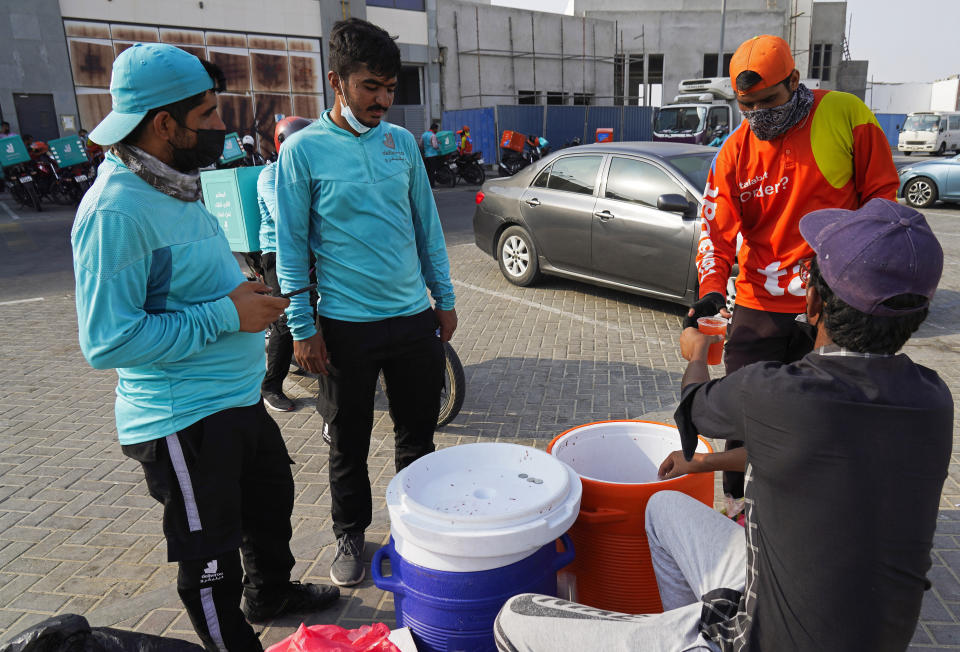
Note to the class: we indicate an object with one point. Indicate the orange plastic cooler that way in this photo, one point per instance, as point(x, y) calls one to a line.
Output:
point(512, 140)
point(617, 462)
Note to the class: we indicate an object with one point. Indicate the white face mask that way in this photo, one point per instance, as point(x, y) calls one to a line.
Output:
point(347, 113)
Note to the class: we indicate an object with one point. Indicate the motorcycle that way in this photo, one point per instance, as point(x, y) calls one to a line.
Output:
point(47, 180)
point(470, 168)
point(77, 179)
point(446, 172)
point(512, 162)
point(23, 188)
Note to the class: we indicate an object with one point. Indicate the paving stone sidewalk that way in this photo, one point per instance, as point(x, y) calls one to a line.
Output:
point(78, 532)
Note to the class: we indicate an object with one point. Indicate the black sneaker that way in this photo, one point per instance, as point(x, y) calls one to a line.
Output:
point(347, 566)
point(294, 598)
point(278, 402)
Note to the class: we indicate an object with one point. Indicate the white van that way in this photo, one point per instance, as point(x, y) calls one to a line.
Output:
point(930, 131)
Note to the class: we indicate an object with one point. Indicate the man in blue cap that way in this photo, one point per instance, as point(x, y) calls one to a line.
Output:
point(867, 433)
point(161, 299)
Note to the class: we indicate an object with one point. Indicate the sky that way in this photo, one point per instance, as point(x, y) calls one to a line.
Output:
point(912, 40)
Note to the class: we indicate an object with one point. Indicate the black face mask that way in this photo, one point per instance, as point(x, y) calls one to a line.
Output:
point(208, 149)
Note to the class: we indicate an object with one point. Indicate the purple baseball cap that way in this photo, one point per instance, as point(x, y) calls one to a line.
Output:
point(876, 252)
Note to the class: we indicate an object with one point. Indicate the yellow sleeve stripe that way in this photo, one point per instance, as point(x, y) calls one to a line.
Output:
point(831, 134)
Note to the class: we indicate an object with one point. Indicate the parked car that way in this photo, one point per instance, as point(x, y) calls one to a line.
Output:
point(620, 215)
point(922, 184)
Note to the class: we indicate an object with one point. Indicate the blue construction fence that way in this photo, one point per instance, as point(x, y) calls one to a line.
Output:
point(891, 124)
point(557, 123)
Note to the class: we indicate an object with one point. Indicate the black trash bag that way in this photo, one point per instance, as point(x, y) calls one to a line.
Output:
point(72, 633)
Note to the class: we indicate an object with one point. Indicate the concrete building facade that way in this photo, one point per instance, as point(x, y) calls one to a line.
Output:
point(666, 41)
point(456, 53)
point(60, 54)
point(36, 89)
point(498, 55)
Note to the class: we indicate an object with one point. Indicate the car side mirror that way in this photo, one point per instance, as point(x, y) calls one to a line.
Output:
point(676, 203)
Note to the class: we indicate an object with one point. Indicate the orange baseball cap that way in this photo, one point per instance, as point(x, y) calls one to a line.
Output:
point(768, 56)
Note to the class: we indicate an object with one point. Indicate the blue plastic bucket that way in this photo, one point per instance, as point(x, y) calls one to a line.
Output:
point(452, 612)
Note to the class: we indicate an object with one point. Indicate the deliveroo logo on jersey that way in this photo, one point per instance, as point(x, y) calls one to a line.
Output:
point(388, 141)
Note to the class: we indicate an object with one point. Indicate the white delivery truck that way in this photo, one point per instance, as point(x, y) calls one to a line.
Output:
point(702, 106)
point(935, 132)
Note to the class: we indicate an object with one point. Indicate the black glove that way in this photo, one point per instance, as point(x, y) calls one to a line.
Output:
point(708, 306)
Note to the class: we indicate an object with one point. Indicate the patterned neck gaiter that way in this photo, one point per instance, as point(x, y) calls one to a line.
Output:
point(184, 186)
point(767, 124)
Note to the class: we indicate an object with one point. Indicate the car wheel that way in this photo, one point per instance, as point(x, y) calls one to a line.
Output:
point(907, 153)
point(517, 256)
point(920, 192)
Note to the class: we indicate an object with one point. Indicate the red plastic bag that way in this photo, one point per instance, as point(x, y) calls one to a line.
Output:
point(333, 638)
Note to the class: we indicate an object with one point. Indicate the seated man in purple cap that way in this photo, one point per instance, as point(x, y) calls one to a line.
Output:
point(161, 299)
point(841, 564)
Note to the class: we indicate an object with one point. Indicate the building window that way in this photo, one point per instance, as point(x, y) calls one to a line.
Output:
point(632, 67)
point(527, 97)
point(583, 99)
point(412, 5)
point(821, 59)
point(555, 97)
point(710, 65)
point(408, 86)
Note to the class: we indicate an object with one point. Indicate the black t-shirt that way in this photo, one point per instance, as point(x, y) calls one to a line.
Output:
point(846, 457)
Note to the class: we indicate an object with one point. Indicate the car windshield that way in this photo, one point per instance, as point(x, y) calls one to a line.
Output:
point(922, 123)
point(680, 120)
point(694, 167)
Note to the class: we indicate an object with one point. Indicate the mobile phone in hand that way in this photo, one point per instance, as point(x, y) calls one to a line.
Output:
point(287, 295)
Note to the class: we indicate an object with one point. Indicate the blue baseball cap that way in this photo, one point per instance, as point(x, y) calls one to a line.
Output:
point(146, 76)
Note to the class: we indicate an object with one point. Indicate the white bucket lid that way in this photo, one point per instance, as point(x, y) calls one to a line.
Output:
point(619, 452)
point(480, 504)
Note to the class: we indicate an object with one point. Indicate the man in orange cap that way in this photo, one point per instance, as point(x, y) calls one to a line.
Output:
point(796, 151)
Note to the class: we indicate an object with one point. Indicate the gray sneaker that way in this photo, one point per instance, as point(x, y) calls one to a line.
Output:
point(347, 566)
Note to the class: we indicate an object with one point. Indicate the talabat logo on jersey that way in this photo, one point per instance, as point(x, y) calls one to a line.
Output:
point(706, 264)
point(763, 190)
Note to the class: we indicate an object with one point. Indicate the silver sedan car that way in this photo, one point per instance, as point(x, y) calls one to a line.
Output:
point(621, 215)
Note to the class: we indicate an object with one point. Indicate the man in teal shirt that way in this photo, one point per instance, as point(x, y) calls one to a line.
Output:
point(431, 150)
point(161, 299)
point(352, 189)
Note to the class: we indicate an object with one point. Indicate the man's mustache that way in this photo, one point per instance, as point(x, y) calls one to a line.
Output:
point(377, 107)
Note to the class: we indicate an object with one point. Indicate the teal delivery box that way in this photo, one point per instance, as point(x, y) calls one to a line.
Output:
point(231, 195)
point(447, 141)
point(67, 151)
point(232, 149)
point(13, 151)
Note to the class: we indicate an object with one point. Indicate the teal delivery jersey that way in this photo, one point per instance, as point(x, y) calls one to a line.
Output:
point(152, 278)
point(364, 207)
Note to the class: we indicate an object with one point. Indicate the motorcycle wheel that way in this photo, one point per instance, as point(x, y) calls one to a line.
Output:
point(19, 194)
point(62, 193)
point(33, 196)
point(445, 177)
point(474, 174)
point(454, 386)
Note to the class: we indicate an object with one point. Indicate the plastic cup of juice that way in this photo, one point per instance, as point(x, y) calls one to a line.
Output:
point(713, 326)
